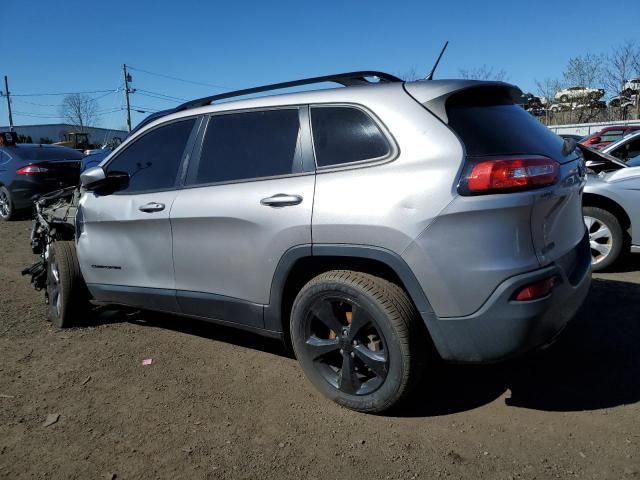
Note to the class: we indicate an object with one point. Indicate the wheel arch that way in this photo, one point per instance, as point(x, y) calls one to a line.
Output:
point(606, 203)
point(300, 264)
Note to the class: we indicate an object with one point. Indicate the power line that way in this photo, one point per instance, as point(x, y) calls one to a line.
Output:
point(36, 104)
point(202, 84)
point(169, 97)
point(140, 109)
point(61, 93)
point(35, 115)
point(58, 105)
point(107, 94)
point(40, 115)
point(155, 97)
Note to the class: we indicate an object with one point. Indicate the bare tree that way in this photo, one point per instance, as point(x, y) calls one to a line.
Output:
point(584, 71)
point(546, 90)
point(622, 63)
point(483, 73)
point(79, 110)
point(412, 75)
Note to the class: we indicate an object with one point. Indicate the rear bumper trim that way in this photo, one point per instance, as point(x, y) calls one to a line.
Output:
point(503, 328)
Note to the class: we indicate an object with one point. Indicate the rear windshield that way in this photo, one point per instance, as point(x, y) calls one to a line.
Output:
point(489, 123)
point(37, 152)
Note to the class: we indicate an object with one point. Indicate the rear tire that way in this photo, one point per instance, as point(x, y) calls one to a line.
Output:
point(359, 339)
point(67, 294)
point(564, 99)
point(7, 210)
point(606, 237)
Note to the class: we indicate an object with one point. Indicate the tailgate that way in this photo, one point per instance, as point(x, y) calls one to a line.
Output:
point(556, 217)
point(492, 126)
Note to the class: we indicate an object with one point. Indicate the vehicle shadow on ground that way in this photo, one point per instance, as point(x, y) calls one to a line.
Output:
point(628, 263)
point(204, 329)
point(594, 364)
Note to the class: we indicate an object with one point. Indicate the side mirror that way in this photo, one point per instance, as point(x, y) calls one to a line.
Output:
point(96, 180)
point(596, 140)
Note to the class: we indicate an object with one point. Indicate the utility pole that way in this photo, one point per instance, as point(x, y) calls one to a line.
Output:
point(127, 79)
point(8, 94)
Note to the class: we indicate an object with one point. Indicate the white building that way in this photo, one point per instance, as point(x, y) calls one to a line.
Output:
point(56, 131)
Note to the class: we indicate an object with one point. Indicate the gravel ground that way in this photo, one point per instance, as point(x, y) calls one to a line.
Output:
point(218, 403)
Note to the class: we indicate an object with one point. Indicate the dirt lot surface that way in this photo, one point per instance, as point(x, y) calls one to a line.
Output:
point(217, 403)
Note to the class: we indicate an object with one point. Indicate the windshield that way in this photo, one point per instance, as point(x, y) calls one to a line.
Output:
point(629, 149)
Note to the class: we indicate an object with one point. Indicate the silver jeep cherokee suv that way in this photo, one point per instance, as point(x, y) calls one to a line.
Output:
point(366, 225)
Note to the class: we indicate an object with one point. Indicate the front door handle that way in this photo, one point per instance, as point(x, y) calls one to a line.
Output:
point(151, 207)
point(281, 200)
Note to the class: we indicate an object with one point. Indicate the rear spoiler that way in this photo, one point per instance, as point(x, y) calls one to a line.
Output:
point(435, 93)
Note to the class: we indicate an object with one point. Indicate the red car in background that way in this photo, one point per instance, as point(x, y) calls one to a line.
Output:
point(608, 135)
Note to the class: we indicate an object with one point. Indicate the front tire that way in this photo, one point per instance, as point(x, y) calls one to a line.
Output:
point(359, 339)
point(606, 237)
point(7, 209)
point(67, 294)
point(564, 99)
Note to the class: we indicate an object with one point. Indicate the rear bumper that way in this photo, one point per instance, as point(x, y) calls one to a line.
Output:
point(504, 328)
point(24, 191)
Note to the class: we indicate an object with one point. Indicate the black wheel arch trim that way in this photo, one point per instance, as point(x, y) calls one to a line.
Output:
point(272, 314)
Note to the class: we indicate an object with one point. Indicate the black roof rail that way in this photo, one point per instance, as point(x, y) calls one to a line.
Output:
point(346, 79)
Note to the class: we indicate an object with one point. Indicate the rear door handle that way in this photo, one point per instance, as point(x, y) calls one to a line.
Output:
point(281, 200)
point(151, 207)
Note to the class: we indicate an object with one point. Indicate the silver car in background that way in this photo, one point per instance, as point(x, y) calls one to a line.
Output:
point(612, 201)
point(372, 227)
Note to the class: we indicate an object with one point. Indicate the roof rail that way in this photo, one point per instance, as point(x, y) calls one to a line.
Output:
point(346, 79)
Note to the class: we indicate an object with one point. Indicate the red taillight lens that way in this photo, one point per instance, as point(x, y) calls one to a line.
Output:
point(511, 174)
point(31, 170)
point(536, 290)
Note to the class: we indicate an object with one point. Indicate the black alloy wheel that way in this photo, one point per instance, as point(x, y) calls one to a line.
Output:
point(346, 345)
point(359, 339)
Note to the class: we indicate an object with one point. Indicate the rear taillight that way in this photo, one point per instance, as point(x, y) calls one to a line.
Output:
point(536, 290)
point(508, 174)
point(31, 170)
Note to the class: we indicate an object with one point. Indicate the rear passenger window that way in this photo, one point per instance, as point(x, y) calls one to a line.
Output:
point(152, 161)
point(344, 135)
point(247, 145)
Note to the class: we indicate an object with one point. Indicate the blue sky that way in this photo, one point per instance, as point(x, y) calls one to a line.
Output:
point(74, 46)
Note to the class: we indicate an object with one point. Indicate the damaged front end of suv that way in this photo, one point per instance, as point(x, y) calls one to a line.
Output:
point(55, 218)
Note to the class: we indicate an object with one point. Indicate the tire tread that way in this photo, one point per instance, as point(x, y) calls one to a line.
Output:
point(405, 321)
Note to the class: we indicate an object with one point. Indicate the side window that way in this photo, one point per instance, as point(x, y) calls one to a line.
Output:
point(345, 134)
point(247, 145)
point(633, 149)
point(153, 160)
point(611, 135)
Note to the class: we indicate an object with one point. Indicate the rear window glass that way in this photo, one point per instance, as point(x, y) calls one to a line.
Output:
point(611, 135)
point(4, 158)
point(48, 153)
point(344, 135)
point(489, 123)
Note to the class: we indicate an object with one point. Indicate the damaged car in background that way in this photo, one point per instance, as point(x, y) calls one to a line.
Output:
point(611, 204)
